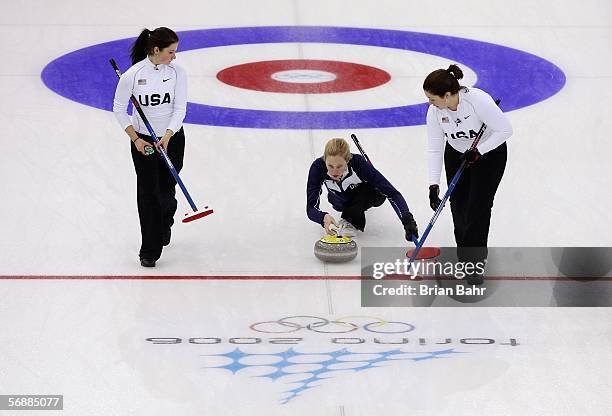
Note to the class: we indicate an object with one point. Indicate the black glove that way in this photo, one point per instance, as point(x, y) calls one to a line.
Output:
point(471, 156)
point(434, 197)
point(410, 226)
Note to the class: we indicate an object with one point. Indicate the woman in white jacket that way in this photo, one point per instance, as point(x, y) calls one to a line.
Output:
point(160, 86)
point(454, 118)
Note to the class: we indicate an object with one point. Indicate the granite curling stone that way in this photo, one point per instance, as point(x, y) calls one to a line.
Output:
point(333, 249)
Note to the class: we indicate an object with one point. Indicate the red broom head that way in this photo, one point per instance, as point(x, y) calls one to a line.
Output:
point(196, 215)
point(425, 253)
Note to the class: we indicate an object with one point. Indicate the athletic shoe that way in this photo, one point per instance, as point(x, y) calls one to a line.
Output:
point(147, 262)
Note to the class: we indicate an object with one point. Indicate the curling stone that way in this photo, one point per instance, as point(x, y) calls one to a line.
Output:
point(334, 249)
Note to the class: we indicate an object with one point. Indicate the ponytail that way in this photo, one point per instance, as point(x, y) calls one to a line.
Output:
point(140, 47)
point(455, 71)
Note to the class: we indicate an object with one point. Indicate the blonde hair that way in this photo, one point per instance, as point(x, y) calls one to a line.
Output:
point(337, 147)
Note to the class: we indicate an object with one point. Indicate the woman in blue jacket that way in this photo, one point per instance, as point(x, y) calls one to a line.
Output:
point(353, 186)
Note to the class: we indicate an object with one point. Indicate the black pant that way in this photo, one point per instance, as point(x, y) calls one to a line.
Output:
point(364, 197)
point(472, 199)
point(156, 192)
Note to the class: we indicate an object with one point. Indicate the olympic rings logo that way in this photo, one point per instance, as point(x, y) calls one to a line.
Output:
point(321, 325)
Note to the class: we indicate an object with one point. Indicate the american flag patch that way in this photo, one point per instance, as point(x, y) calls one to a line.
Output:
point(142, 82)
point(444, 119)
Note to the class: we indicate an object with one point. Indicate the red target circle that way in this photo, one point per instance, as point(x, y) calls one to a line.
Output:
point(303, 76)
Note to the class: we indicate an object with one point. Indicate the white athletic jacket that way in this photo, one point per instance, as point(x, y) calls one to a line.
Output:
point(460, 128)
point(161, 91)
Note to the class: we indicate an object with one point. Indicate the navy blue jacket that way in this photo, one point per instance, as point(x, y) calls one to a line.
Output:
point(340, 193)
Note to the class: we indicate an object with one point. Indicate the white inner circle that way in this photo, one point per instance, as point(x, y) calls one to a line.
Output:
point(303, 76)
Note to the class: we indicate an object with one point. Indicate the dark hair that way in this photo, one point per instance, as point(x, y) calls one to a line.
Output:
point(162, 37)
point(441, 81)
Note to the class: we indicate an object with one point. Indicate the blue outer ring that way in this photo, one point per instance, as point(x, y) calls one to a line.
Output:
point(518, 78)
